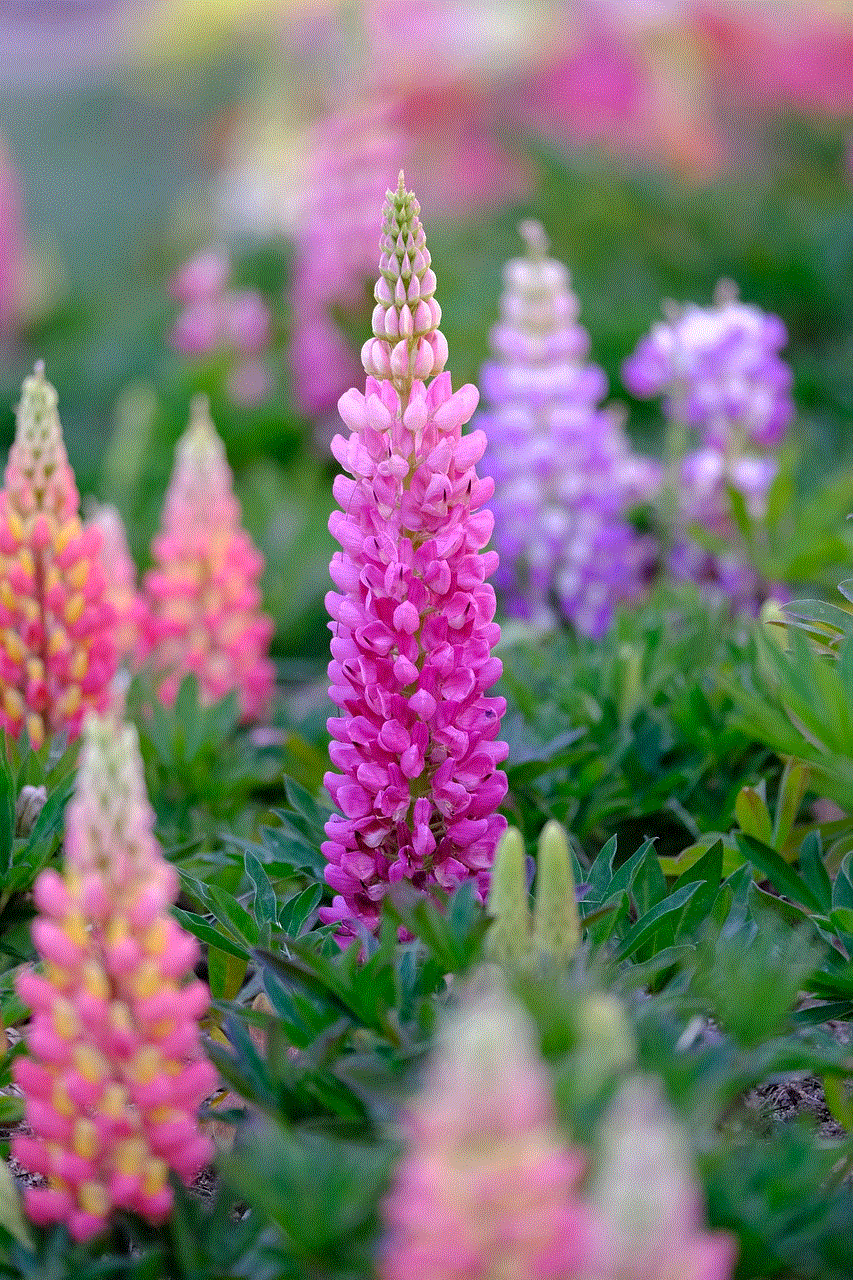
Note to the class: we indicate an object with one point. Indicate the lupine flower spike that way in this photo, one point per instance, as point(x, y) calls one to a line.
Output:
point(563, 469)
point(57, 653)
point(648, 1208)
point(487, 1190)
point(120, 575)
point(115, 1075)
point(202, 600)
point(412, 624)
point(721, 374)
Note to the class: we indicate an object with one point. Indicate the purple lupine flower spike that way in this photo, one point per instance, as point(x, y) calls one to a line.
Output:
point(563, 469)
point(412, 623)
point(721, 376)
point(720, 371)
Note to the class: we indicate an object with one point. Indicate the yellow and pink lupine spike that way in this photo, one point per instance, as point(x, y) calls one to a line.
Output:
point(115, 1074)
point(120, 575)
point(202, 613)
point(57, 652)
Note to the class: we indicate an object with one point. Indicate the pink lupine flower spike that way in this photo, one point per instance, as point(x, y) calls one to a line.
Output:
point(120, 574)
point(115, 1073)
point(202, 612)
point(57, 649)
point(487, 1190)
point(412, 622)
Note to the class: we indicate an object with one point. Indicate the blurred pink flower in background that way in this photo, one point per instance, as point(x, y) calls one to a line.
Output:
point(782, 56)
point(120, 576)
point(13, 246)
point(219, 320)
point(354, 159)
point(202, 614)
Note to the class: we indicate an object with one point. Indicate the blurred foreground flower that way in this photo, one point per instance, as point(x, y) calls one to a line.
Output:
point(115, 1075)
point(202, 600)
point(219, 320)
point(722, 377)
point(57, 650)
point(487, 1189)
point(563, 469)
point(648, 1209)
point(412, 627)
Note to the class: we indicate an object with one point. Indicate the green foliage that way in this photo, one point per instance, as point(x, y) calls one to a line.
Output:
point(631, 735)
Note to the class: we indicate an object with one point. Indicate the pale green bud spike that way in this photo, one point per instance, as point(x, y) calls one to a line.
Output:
point(407, 343)
point(508, 939)
point(201, 448)
point(38, 434)
point(556, 921)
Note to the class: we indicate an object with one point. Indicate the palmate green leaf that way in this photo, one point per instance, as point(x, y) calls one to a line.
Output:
point(295, 843)
point(648, 884)
point(528, 758)
point(842, 888)
point(662, 923)
point(233, 918)
point(209, 934)
point(454, 932)
point(11, 1212)
point(297, 913)
point(813, 870)
point(310, 969)
point(826, 623)
point(226, 974)
point(775, 869)
point(11, 1105)
point(792, 789)
point(314, 814)
point(753, 815)
point(266, 903)
point(749, 981)
point(775, 1196)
